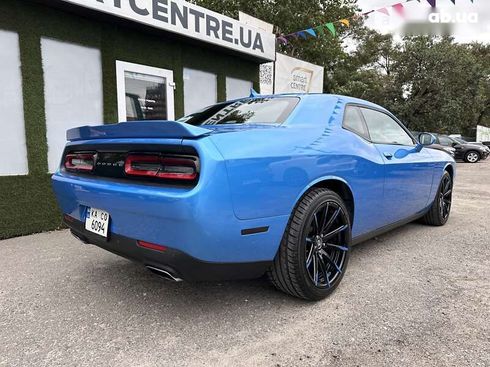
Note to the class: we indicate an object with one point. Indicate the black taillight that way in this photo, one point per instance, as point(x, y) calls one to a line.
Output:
point(161, 166)
point(80, 162)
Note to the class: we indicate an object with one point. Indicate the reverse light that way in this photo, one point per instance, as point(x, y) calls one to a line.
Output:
point(80, 162)
point(164, 167)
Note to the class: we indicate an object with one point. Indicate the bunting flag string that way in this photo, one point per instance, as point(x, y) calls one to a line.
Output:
point(399, 9)
point(345, 22)
point(318, 31)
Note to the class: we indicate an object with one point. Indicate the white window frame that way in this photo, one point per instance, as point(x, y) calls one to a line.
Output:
point(122, 67)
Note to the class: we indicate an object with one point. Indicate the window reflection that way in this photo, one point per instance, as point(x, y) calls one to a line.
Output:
point(146, 97)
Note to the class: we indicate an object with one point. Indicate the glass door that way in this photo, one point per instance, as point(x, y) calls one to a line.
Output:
point(144, 92)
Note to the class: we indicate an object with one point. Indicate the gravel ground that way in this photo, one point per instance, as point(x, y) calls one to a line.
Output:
point(418, 296)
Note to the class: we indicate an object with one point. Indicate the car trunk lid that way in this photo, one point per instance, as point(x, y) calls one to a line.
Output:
point(138, 129)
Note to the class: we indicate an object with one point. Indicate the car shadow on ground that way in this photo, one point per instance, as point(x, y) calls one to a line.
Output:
point(123, 281)
point(139, 290)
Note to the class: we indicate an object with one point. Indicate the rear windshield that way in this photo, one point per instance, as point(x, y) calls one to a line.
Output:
point(245, 111)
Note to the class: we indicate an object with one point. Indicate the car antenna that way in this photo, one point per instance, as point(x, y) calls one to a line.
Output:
point(253, 93)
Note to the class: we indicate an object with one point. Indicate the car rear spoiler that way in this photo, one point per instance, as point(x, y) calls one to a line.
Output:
point(137, 129)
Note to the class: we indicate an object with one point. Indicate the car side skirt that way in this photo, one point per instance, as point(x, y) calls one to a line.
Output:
point(367, 236)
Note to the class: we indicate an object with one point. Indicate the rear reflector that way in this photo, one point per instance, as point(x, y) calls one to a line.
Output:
point(68, 218)
point(164, 167)
point(80, 162)
point(151, 246)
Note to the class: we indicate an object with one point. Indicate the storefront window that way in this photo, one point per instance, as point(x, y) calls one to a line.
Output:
point(72, 92)
point(237, 88)
point(200, 90)
point(144, 93)
point(13, 151)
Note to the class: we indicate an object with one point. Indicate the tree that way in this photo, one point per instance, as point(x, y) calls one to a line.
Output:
point(368, 72)
point(442, 84)
point(290, 16)
point(431, 83)
point(481, 53)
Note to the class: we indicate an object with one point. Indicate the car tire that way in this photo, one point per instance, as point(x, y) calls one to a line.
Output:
point(440, 209)
point(311, 262)
point(472, 156)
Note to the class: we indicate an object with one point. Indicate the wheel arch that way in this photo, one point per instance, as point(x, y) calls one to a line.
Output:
point(450, 169)
point(337, 185)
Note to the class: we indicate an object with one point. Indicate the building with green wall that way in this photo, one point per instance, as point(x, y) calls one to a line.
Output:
point(74, 62)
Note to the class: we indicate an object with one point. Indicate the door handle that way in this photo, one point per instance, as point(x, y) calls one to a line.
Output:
point(388, 155)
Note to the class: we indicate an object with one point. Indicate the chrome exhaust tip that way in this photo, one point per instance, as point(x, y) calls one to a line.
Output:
point(164, 274)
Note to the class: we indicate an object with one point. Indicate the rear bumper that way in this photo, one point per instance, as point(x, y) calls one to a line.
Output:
point(199, 222)
point(175, 262)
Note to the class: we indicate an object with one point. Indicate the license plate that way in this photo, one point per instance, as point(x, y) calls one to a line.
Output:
point(97, 221)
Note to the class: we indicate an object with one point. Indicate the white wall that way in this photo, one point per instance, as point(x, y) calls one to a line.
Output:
point(482, 133)
point(13, 152)
point(200, 90)
point(72, 92)
point(237, 88)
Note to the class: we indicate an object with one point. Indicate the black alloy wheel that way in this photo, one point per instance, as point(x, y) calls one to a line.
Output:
point(325, 249)
point(440, 209)
point(314, 251)
point(445, 197)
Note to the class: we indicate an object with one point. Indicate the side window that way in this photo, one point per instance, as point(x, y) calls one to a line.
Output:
point(385, 130)
point(445, 141)
point(353, 121)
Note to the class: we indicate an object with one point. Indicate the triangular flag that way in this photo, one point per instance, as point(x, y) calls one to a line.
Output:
point(385, 11)
point(282, 39)
point(311, 31)
point(399, 9)
point(432, 3)
point(320, 30)
point(302, 34)
point(345, 22)
point(331, 28)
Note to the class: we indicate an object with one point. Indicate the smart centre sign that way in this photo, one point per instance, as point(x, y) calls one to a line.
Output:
point(190, 20)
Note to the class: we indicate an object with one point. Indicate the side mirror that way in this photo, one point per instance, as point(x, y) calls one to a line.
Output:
point(426, 139)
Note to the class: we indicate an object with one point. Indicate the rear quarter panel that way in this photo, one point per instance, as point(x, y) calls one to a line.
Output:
point(270, 169)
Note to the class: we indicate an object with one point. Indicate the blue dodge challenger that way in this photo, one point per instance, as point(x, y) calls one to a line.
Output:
point(282, 185)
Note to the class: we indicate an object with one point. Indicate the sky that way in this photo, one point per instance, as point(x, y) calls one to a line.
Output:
point(469, 21)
